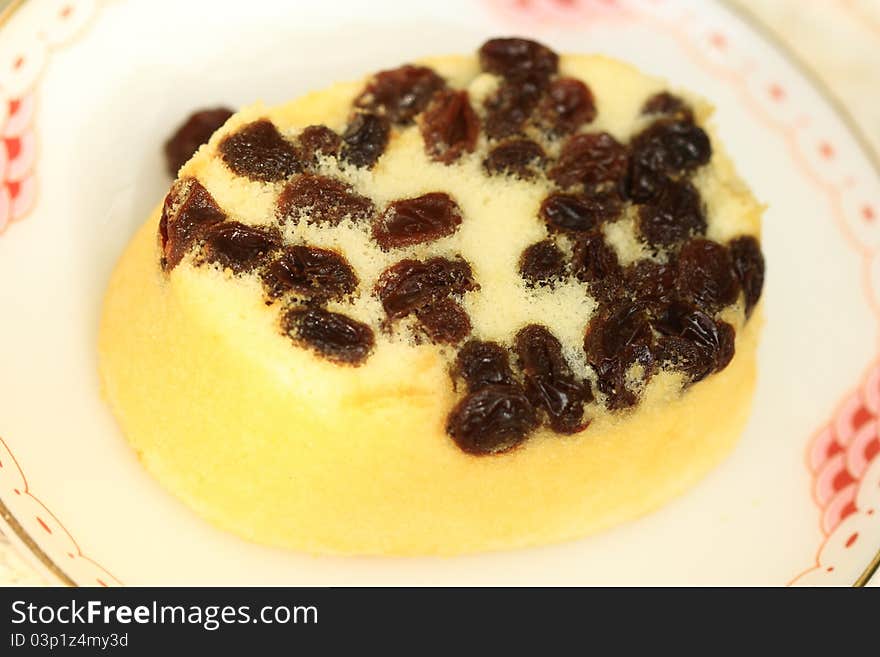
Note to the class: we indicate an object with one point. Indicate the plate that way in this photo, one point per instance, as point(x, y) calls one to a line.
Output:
point(88, 92)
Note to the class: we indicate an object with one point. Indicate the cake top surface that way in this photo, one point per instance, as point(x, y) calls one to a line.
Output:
point(555, 232)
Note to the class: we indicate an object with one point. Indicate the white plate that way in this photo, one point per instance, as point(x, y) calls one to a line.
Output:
point(89, 90)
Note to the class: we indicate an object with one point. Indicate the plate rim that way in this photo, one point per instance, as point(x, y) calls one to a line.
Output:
point(33, 554)
point(852, 126)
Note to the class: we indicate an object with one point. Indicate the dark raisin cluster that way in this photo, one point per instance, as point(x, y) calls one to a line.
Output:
point(306, 275)
point(652, 314)
point(500, 408)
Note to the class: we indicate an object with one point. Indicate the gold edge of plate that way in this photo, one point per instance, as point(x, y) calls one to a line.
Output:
point(31, 545)
point(747, 17)
point(799, 64)
point(868, 573)
point(10, 9)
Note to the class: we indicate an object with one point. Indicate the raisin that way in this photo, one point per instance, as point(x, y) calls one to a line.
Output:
point(365, 139)
point(238, 246)
point(415, 220)
point(259, 152)
point(542, 263)
point(621, 328)
point(748, 262)
point(549, 381)
point(322, 200)
point(188, 210)
point(693, 342)
point(516, 58)
point(449, 126)
point(444, 321)
point(651, 283)
point(579, 213)
point(684, 355)
point(619, 338)
point(596, 263)
point(313, 272)
point(726, 345)
point(567, 105)
point(194, 132)
point(335, 336)
point(666, 148)
point(316, 140)
point(412, 284)
point(673, 146)
point(517, 157)
point(492, 420)
point(706, 276)
point(484, 363)
point(667, 104)
point(510, 106)
point(400, 93)
point(674, 215)
point(593, 159)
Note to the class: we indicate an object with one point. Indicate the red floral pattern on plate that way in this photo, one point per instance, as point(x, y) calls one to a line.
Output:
point(18, 154)
point(21, 66)
point(53, 24)
point(844, 458)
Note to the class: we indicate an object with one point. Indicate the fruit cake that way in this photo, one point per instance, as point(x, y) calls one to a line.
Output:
point(470, 303)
